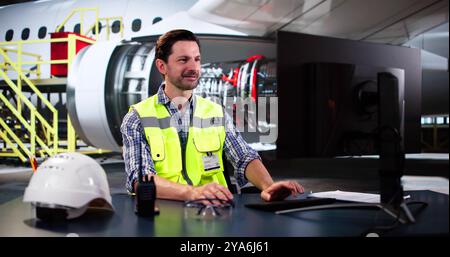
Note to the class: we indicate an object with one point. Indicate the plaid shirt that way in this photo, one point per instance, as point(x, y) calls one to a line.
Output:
point(136, 148)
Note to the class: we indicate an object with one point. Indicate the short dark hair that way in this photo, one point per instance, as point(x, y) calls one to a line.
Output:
point(167, 40)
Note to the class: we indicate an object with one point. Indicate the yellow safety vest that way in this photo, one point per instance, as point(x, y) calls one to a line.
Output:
point(202, 161)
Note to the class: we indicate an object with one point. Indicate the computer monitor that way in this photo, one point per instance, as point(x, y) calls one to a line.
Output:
point(330, 91)
point(349, 63)
point(359, 110)
point(350, 105)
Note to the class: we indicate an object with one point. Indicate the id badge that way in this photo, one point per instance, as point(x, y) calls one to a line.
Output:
point(211, 162)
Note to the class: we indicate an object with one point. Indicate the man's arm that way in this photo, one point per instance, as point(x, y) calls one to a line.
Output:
point(248, 166)
point(166, 189)
point(257, 173)
point(136, 152)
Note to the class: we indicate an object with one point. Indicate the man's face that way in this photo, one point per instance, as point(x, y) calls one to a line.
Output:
point(183, 66)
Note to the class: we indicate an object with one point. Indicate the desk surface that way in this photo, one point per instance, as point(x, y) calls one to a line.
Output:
point(18, 219)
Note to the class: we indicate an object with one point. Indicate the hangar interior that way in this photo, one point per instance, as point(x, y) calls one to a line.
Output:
point(310, 109)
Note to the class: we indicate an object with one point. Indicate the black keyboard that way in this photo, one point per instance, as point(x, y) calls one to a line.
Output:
point(290, 204)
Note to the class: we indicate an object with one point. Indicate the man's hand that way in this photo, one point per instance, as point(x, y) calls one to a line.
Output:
point(280, 190)
point(210, 191)
point(166, 189)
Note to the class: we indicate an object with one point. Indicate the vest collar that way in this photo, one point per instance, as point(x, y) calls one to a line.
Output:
point(162, 98)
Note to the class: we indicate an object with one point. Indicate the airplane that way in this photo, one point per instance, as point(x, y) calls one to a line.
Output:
point(393, 22)
point(229, 31)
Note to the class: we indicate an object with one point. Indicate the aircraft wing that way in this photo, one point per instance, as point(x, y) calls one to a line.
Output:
point(381, 21)
point(183, 20)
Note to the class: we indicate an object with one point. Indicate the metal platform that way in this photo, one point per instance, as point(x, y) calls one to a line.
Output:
point(48, 85)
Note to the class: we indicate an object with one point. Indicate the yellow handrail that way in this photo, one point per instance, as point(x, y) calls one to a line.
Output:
point(29, 126)
point(10, 65)
point(53, 129)
point(82, 11)
point(19, 65)
point(23, 52)
point(30, 84)
point(108, 26)
point(52, 40)
point(6, 66)
point(13, 136)
point(13, 147)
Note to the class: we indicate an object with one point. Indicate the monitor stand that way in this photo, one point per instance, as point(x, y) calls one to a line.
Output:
point(402, 214)
point(392, 156)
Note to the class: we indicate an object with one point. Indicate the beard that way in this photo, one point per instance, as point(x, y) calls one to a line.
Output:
point(187, 81)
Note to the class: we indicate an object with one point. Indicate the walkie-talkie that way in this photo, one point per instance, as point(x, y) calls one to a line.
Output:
point(145, 196)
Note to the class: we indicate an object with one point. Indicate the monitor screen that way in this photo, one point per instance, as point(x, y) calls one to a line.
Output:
point(326, 95)
point(342, 108)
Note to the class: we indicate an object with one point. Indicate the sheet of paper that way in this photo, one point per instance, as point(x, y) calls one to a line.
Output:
point(348, 196)
point(436, 184)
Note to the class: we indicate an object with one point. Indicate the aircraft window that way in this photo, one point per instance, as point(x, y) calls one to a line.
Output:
point(9, 35)
point(76, 28)
point(115, 27)
point(61, 30)
point(99, 28)
point(156, 20)
point(25, 33)
point(42, 32)
point(136, 25)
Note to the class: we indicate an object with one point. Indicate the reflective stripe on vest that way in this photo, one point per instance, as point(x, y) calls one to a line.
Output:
point(205, 140)
point(197, 122)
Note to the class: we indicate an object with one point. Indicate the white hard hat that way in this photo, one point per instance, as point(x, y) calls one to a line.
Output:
point(68, 184)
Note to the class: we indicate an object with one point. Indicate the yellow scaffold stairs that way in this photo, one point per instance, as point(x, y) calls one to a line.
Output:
point(29, 122)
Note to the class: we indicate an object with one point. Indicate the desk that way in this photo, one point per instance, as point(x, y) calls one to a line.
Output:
point(17, 219)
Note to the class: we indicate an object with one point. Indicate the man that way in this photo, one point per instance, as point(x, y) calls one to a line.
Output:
point(179, 138)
